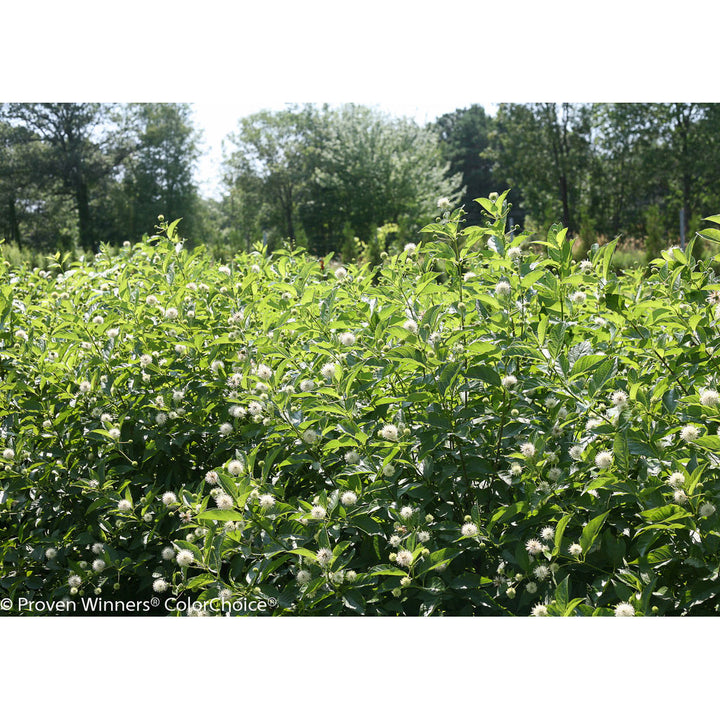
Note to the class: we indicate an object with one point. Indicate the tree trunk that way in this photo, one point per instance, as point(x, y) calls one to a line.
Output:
point(85, 229)
point(14, 224)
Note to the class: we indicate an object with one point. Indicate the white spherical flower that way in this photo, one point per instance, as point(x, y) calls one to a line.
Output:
point(404, 558)
point(531, 587)
point(406, 512)
point(410, 325)
point(469, 529)
point(348, 498)
point(161, 418)
point(527, 449)
point(303, 577)
point(443, 203)
point(255, 408)
point(160, 585)
point(98, 320)
point(509, 381)
point(624, 610)
point(235, 467)
point(145, 360)
point(264, 372)
point(534, 547)
point(711, 398)
point(318, 512)
point(706, 509)
point(51, 553)
point(352, 457)
point(578, 297)
point(388, 470)
point(266, 501)
point(306, 385)
point(169, 498)
point(619, 398)
point(217, 365)
point(575, 549)
point(98, 548)
point(503, 288)
point(184, 558)
point(341, 273)
point(547, 533)
point(310, 436)
point(680, 497)
point(603, 459)
point(690, 433)
point(410, 248)
point(576, 452)
point(22, 335)
point(516, 469)
point(171, 313)
point(8, 454)
point(151, 300)
point(225, 270)
point(124, 506)
point(237, 411)
point(85, 386)
point(389, 432)
point(212, 477)
point(514, 253)
point(539, 610)
point(554, 474)
point(328, 371)
point(541, 572)
point(224, 501)
point(585, 265)
point(98, 565)
point(168, 553)
point(346, 338)
point(114, 433)
point(676, 480)
point(112, 333)
point(74, 581)
point(225, 429)
point(323, 556)
point(394, 540)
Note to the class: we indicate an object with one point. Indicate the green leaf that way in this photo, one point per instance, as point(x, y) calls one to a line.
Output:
point(591, 530)
point(709, 442)
point(223, 515)
point(562, 594)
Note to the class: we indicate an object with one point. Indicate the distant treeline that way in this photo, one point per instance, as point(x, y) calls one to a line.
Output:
point(351, 179)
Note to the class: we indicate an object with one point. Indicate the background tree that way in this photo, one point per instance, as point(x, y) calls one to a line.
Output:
point(545, 150)
point(158, 176)
point(370, 170)
point(84, 146)
point(464, 142)
point(267, 168)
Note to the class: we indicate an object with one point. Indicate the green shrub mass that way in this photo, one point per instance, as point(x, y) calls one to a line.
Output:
point(478, 426)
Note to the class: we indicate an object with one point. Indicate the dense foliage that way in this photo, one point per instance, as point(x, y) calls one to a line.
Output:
point(478, 427)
